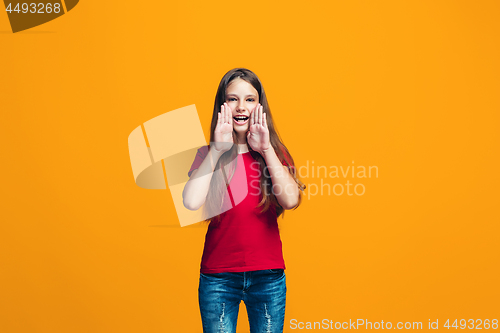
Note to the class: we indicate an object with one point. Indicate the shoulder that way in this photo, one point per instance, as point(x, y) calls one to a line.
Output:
point(201, 153)
point(203, 150)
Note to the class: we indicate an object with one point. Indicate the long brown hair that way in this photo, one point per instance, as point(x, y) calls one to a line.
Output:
point(227, 162)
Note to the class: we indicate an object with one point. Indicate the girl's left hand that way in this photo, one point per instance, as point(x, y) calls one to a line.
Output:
point(258, 133)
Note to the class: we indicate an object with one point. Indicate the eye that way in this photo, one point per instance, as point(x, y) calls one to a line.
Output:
point(231, 99)
point(251, 99)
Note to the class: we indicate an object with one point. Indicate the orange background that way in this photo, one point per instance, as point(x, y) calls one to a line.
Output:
point(409, 87)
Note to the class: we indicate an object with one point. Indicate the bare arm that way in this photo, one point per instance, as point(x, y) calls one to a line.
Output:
point(284, 186)
point(196, 189)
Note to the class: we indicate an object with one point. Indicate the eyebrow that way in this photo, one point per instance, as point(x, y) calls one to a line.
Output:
point(237, 95)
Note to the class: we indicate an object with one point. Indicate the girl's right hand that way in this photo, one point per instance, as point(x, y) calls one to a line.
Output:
point(223, 134)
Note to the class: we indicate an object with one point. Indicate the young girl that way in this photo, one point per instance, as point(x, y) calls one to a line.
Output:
point(244, 180)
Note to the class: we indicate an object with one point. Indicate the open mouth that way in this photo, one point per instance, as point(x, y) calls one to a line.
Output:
point(240, 120)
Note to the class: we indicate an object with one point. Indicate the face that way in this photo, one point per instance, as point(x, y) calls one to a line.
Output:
point(242, 99)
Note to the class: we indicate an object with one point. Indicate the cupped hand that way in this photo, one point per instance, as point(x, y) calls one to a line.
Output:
point(258, 133)
point(223, 134)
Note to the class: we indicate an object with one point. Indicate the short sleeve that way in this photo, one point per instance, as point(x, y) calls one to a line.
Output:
point(286, 161)
point(199, 158)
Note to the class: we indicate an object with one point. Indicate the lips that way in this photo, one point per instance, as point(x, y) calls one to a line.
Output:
point(241, 120)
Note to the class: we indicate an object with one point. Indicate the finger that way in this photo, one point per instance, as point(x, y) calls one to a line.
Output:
point(264, 120)
point(228, 114)
point(219, 116)
point(260, 114)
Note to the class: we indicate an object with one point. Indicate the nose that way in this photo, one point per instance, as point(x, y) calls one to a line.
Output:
point(241, 106)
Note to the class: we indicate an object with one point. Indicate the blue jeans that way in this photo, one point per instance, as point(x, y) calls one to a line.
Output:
point(263, 292)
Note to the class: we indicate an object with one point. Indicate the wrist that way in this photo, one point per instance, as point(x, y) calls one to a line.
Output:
point(267, 151)
point(224, 146)
point(215, 150)
point(214, 156)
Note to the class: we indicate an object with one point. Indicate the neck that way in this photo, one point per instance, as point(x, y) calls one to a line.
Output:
point(242, 143)
point(241, 138)
point(242, 148)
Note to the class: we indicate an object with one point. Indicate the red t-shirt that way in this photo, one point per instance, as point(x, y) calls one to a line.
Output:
point(244, 239)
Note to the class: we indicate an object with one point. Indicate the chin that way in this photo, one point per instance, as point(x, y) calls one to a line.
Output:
point(241, 129)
